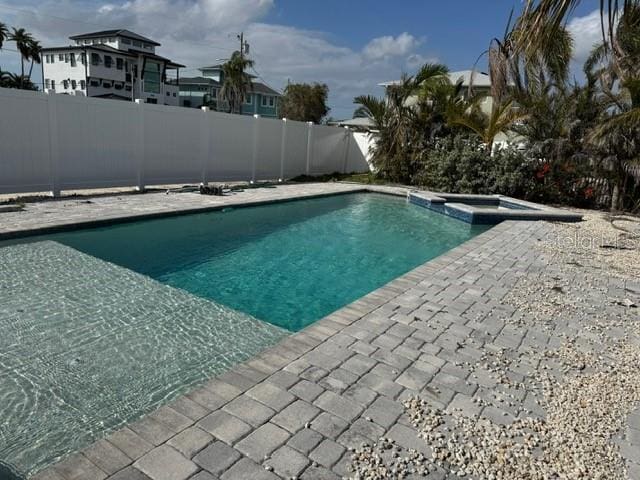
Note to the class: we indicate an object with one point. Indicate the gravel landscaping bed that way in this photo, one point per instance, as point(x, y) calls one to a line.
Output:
point(568, 410)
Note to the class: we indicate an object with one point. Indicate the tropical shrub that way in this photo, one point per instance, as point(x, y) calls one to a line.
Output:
point(462, 164)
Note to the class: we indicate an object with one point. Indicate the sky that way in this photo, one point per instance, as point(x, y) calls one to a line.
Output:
point(351, 45)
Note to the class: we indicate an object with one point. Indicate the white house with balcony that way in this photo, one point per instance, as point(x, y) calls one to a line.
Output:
point(116, 64)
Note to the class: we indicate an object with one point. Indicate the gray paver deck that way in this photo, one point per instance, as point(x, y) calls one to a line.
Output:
point(407, 337)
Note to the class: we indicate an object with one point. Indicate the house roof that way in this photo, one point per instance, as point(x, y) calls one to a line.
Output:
point(357, 122)
point(120, 32)
point(257, 87)
point(198, 81)
point(106, 48)
point(113, 96)
point(480, 79)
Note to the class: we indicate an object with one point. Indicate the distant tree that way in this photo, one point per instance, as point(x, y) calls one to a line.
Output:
point(13, 80)
point(4, 34)
point(236, 82)
point(304, 102)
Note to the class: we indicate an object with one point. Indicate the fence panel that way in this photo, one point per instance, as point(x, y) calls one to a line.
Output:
point(269, 148)
point(96, 148)
point(232, 147)
point(172, 144)
point(329, 145)
point(24, 142)
point(295, 162)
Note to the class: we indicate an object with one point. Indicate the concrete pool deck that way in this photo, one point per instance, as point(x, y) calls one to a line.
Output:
point(301, 408)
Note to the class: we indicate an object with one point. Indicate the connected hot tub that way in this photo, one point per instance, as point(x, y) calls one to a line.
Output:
point(488, 209)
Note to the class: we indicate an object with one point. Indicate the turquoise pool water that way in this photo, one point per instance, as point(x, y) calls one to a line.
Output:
point(289, 264)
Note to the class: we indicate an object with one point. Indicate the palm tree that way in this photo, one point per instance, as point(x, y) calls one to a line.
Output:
point(407, 120)
point(236, 82)
point(24, 42)
point(501, 118)
point(541, 18)
point(35, 50)
point(613, 66)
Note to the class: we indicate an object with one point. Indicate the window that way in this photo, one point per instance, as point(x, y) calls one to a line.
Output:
point(168, 94)
point(87, 41)
point(83, 84)
point(107, 61)
point(126, 41)
point(186, 103)
point(214, 93)
point(61, 57)
point(83, 58)
point(95, 83)
point(53, 84)
point(72, 59)
point(127, 88)
point(136, 43)
point(174, 94)
point(66, 58)
point(148, 46)
point(119, 63)
point(152, 100)
point(47, 83)
point(268, 101)
point(95, 41)
point(248, 99)
point(112, 40)
point(106, 84)
point(95, 59)
point(152, 77)
point(74, 84)
point(65, 84)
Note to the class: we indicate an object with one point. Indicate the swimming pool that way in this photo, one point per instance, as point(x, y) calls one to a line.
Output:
point(288, 264)
point(101, 326)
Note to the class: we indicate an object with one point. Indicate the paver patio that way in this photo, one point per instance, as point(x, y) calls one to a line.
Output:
point(299, 409)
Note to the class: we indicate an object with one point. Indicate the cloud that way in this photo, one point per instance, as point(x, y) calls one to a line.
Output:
point(389, 46)
point(586, 32)
point(200, 32)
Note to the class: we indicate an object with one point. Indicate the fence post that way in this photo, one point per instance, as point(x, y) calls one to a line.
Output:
point(346, 148)
point(140, 153)
point(205, 138)
point(256, 138)
point(283, 148)
point(309, 145)
point(54, 151)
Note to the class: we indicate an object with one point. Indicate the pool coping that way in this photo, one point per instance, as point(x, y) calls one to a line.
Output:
point(434, 201)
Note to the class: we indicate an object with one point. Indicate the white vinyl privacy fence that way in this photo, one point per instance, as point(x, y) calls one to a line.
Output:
point(62, 142)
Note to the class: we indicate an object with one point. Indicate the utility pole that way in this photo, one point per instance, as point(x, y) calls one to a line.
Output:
point(244, 46)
